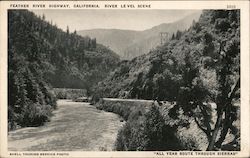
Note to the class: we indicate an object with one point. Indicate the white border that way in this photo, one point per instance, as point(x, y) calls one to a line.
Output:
point(245, 124)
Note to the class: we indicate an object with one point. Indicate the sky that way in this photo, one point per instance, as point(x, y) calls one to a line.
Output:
point(111, 19)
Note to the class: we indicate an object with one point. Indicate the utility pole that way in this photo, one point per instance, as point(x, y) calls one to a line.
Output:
point(164, 37)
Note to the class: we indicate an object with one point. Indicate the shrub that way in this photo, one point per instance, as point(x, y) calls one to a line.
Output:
point(159, 136)
point(35, 114)
point(12, 118)
point(95, 98)
point(189, 142)
point(130, 137)
point(147, 132)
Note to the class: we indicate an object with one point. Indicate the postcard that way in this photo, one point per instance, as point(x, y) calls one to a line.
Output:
point(124, 79)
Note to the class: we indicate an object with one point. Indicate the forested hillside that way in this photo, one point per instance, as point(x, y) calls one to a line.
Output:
point(192, 59)
point(41, 56)
point(129, 44)
point(199, 67)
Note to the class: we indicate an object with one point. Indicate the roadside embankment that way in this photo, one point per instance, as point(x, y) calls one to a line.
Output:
point(124, 107)
point(135, 112)
point(144, 119)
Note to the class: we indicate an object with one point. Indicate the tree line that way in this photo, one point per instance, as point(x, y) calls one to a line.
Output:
point(42, 56)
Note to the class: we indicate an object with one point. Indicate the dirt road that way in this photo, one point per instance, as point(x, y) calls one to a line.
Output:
point(75, 126)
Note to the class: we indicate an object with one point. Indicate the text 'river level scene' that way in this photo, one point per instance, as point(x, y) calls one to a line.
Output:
point(89, 80)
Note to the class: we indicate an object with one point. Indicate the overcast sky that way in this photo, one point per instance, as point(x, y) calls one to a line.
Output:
point(115, 19)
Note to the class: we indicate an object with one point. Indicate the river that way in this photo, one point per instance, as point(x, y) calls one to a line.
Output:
point(74, 126)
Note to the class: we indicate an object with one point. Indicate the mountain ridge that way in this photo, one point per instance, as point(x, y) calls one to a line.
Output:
point(131, 43)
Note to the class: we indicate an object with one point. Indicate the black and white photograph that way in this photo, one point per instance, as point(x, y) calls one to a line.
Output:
point(108, 80)
point(161, 80)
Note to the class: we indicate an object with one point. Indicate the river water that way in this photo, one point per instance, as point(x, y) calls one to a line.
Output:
point(75, 126)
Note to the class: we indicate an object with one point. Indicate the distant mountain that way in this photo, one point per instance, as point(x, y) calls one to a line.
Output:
point(115, 39)
point(129, 44)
